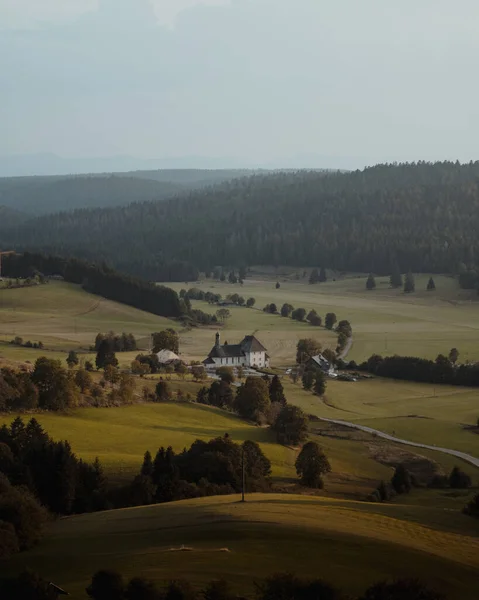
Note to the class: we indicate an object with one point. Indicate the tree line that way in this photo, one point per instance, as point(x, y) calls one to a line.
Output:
point(443, 370)
point(100, 280)
point(124, 342)
point(111, 585)
point(416, 216)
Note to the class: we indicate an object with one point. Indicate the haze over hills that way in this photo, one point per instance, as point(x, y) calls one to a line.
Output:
point(421, 217)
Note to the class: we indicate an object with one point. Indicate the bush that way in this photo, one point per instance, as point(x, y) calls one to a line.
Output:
point(472, 508)
point(402, 589)
point(401, 480)
point(459, 480)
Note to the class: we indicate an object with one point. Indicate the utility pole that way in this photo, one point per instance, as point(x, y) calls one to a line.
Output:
point(242, 476)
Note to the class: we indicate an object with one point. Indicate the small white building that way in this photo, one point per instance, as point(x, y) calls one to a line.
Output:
point(166, 357)
point(249, 353)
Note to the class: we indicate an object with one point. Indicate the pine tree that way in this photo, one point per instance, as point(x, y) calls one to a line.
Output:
point(276, 392)
point(431, 286)
point(409, 283)
point(395, 278)
point(314, 277)
point(371, 282)
point(319, 383)
point(322, 275)
point(147, 466)
point(308, 380)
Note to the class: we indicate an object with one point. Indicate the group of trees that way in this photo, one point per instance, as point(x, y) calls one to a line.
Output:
point(414, 215)
point(403, 481)
point(318, 276)
point(39, 474)
point(301, 314)
point(205, 469)
point(396, 281)
point(443, 370)
point(100, 280)
point(18, 341)
point(124, 342)
point(263, 400)
point(49, 387)
point(110, 585)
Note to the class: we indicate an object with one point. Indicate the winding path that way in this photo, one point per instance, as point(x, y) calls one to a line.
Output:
point(347, 348)
point(462, 455)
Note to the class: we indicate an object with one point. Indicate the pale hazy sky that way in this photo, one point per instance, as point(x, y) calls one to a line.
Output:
point(259, 80)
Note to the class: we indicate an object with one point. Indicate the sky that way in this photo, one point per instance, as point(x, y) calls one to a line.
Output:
point(243, 82)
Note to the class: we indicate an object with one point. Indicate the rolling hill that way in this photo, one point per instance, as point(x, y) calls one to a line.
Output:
point(50, 194)
point(224, 538)
point(422, 217)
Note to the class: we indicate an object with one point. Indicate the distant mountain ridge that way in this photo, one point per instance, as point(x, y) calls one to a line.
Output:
point(26, 165)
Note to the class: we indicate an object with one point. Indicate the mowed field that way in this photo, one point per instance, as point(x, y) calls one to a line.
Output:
point(65, 317)
point(384, 321)
point(445, 416)
point(351, 544)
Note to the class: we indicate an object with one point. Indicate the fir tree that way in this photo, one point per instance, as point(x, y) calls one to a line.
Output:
point(409, 283)
point(147, 466)
point(319, 383)
point(276, 392)
point(431, 286)
point(395, 278)
point(314, 277)
point(371, 282)
point(322, 275)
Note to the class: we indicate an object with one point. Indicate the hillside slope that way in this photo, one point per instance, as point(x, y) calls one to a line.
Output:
point(424, 217)
point(42, 195)
point(244, 542)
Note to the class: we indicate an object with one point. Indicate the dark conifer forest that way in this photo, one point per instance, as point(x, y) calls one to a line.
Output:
point(418, 217)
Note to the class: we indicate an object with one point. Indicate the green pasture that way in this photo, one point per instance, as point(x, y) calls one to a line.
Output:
point(384, 321)
point(311, 536)
point(437, 415)
point(65, 317)
point(120, 436)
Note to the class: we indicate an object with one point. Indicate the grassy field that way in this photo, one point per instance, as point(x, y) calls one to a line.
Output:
point(65, 317)
point(120, 436)
point(441, 415)
point(318, 537)
point(384, 321)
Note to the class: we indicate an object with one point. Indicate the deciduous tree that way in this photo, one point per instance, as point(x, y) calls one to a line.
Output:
point(311, 465)
point(330, 320)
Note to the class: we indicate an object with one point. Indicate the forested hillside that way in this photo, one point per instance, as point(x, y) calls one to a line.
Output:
point(43, 195)
point(10, 217)
point(424, 217)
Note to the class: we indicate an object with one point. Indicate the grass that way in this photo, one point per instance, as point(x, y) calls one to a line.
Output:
point(440, 415)
point(65, 317)
point(348, 543)
point(384, 321)
point(120, 436)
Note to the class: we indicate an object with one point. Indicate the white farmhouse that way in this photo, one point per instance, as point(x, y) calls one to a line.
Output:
point(249, 353)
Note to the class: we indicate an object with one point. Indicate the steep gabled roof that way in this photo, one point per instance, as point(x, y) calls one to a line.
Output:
point(251, 344)
point(226, 351)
